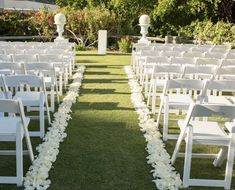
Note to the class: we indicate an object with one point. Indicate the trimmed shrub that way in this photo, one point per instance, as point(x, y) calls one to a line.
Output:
point(125, 45)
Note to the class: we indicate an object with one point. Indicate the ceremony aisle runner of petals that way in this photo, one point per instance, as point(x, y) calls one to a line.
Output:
point(165, 176)
point(37, 176)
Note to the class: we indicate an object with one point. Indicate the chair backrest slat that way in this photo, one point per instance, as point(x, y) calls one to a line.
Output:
point(10, 106)
point(213, 110)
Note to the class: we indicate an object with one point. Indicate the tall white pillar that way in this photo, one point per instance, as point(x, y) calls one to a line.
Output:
point(102, 42)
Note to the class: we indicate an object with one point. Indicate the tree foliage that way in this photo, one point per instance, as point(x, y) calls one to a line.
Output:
point(204, 31)
point(14, 23)
point(86, 23)
point(127, 11)
point(169, 15)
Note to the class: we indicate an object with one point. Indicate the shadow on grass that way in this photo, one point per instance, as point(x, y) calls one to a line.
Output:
point(118, 53)
point(91, 54)
point(101, 106)
point(86, 61)
point(101, 91)
point(102, 73)
point(104, 66)
point(105, 80)
point(97, 73)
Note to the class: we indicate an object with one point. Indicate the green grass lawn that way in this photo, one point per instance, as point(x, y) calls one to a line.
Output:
point(104, 149)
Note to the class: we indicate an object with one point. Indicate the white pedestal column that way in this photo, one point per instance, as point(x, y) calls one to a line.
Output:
point(102, 42)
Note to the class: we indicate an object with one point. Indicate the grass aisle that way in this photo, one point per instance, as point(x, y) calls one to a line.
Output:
point(104, 148)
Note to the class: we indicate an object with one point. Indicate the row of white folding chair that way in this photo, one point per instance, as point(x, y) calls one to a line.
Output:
point(207, 133)
point(63, 66)
point(191, 48)
point(67, 50)
point(39, 55)
point(45, 69)
point(14, 127)
point(198, 49)
point(36, 51)
point(161, 72)
point(181, 45)
point(209, 58)
point(31, 90)
point(145, 67)
point(181, 101)
point(37, 46)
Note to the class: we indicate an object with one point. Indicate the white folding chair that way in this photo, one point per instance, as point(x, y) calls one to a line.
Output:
point(193, 54)
point(176, 101)
point(171, 53)
point(59, 63)
point(230, 55)
point(183, 60)
point(158, 79)
point(219, 86)
point(199, 71)
point(216, 55)
point(209, 61)
point(5, 58)
point(206, 133)
point(147, 69)
point(35, 51)
point(14, 51)
point(11, 68)
point(201, 49)
point(23, 85)
point(12, 129)
point(228, 62)
point(47, 70)
point(25, 58)
point(2, 51)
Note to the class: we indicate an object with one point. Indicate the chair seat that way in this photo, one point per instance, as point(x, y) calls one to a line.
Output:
point(180, 101)
point(205, 130)
point(218, 100)
point(28, 98)
point(8, 127)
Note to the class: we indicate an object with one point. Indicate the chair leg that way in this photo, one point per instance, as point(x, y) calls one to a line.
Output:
point(221, 157)
point(52, 94)
point(154, 94)
point(188, 157)
point(41, 115)
point(160, 111)
point(57, 92)
point(146, 83)
point(149, 92)
point(229, 165)
point(165, 121)
point(177, 146)
point(61, 85)
point(19, 157)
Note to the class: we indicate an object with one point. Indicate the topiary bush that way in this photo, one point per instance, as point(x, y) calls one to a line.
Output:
point(125, 45)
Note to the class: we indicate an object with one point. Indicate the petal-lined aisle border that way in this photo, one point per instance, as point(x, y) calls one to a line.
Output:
point(37, 176)
point(165, 176)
